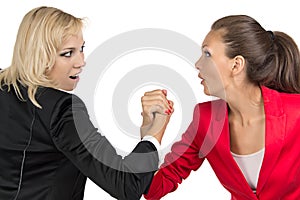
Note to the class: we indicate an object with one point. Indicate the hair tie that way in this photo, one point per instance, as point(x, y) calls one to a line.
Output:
point(271, 35)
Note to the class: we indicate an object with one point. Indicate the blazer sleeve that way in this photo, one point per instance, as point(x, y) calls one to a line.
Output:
point(76, 137)
point(183, 158)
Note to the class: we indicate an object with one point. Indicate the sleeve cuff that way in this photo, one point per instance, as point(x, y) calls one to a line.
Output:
point(154, 141)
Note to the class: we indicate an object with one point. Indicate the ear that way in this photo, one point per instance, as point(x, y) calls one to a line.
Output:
point(238, 64)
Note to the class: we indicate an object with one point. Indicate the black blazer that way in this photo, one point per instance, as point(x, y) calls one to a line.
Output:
point(46, 154)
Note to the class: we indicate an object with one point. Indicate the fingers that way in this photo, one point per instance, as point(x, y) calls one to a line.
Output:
point(157, 110)
point(155, 92)
point(156, 102)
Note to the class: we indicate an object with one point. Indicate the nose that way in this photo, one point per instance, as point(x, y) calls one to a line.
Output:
point(79, 61)
point(198, 64)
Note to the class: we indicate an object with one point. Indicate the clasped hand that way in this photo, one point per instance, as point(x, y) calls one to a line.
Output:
point(157, 110)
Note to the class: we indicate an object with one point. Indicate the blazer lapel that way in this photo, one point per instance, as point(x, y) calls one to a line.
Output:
point(219, 131)
point(274, 136)
point(218, 116)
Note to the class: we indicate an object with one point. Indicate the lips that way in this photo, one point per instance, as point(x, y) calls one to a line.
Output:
point(75, 76)
point(202, 79)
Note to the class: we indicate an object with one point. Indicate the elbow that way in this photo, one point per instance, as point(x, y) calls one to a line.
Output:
point(139, 185)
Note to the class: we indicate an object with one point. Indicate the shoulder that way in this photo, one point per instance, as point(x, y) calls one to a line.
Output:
point(291, 104)
point(208, 104)
point(56, 102)
point(53, 97)
point(210, 110)
point(211, 106)
point(290, 99)
point(279, 102)
point(286, 98)
point(60, 108)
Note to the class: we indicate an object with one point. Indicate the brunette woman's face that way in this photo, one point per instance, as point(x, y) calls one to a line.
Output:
point(214, 66)
point(68, 63)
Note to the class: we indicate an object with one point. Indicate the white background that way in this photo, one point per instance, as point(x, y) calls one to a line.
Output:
point(190, 18)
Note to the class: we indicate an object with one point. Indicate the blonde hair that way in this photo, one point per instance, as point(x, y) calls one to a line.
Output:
point(40, 36)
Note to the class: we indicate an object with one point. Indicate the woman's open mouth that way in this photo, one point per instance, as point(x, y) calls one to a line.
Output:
point(74, 77)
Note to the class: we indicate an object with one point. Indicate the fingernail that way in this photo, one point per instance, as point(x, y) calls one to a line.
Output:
point(164, 92)
point(167, 112)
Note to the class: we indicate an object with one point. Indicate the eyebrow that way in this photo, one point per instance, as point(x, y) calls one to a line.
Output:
point(203, 46)
point(72, 48)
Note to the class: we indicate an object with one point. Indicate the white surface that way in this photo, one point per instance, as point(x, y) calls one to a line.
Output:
point(190, 18)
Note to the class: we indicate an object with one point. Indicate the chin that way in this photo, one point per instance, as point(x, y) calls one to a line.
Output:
point(67, 89)
point(206, 91)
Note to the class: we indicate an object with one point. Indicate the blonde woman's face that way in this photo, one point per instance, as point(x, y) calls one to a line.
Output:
point(68, 63)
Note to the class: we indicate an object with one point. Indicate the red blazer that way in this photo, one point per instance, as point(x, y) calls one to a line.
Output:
point(207, 137)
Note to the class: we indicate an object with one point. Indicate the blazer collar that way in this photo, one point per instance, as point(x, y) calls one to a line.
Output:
point(274, 133)
point(272, 102)
point(216, 126)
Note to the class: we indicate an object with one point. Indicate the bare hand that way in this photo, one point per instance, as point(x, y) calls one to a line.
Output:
point(157, 110)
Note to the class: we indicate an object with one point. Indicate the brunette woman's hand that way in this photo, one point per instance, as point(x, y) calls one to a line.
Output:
point(157, 110)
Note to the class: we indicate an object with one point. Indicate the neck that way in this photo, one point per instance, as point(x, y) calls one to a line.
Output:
point(246, 104)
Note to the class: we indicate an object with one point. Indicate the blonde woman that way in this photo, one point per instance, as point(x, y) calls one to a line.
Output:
point(48, 145)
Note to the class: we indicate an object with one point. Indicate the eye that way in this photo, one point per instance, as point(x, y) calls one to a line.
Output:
point(207, 54)
point(81, 49)
point(66, 54)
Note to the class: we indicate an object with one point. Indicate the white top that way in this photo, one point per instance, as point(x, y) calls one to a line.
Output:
point(250, 165)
